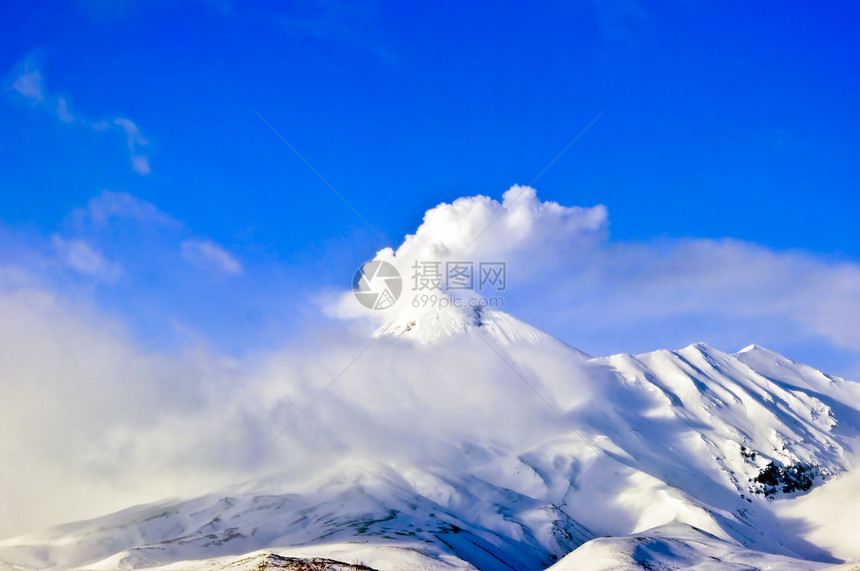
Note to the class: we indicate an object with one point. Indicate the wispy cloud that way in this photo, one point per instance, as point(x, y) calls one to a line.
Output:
point(30, 85)
point(82, 257)
point(116, 211)
point(62, 111)
point(208, 254)
point(109, 205)
point(135, 140)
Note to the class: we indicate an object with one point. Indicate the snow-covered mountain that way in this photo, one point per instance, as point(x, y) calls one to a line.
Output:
point(679, 459)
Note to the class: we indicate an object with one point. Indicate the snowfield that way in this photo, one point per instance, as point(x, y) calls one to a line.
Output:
point(687, 459)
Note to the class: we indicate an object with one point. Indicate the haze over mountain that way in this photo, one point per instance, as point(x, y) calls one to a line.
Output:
point(517, 452)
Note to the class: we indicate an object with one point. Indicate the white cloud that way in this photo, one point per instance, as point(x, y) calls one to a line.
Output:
point(725, 292)
point(82, 257)
point(478, 225)
point(112, 218)
point(140, 164)
point(134, 140)
point(30, 84)
point(108, 206)
point(519, 230)
point(76, 390)
point(603, 291)
point(206, 253)
point(62, 111)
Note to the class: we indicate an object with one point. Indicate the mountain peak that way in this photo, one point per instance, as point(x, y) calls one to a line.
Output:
point(700, 346)
point(757, 349)
point(759, 354)
point(431, 324)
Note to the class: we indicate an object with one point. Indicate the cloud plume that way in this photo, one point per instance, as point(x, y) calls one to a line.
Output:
point(615, 296)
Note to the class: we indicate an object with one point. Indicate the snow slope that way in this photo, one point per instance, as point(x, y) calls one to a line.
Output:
point(692, 459)
point(675, 546)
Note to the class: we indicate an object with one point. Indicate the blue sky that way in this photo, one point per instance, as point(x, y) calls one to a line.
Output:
point(719, 121)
